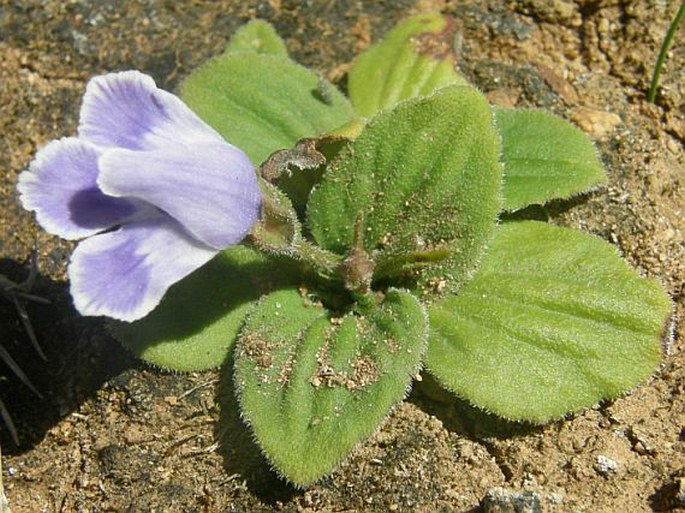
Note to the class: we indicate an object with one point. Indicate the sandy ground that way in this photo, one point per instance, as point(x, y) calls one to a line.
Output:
point(112, 434)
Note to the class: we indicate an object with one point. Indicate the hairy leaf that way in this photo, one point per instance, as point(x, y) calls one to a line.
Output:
point(427, 180)
point(545, 158)
point(414, 59)
point(262, 103)
point(257, 36)
point(554, 321)
point(312, 385)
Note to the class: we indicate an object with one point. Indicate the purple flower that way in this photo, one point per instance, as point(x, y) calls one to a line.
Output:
point(154, 190)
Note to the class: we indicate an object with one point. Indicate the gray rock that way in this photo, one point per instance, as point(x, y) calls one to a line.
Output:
point(508, 500)
point(605, 465)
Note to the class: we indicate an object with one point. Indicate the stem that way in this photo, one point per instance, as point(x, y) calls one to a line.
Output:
point(323, 262)
point(400, 264)
point(357, 268)
point(278, 232)
point(651, 94)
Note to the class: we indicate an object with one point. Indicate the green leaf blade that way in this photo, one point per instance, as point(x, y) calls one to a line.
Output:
point(414, 59)
point(545, 158)
point(312, 386)
point(196, 325)
point(257, 36)
point(262, 103)
point(554, 321)
point(427, 178)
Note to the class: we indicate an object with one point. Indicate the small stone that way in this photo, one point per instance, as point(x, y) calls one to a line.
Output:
point(171, 400)
point(312, 498)
point(555, 498)
point(507, 500)
point(673, 146)
point(558, 84)
point(598, 123)
point(641, 443)
point(605, 465)
point(503, 97)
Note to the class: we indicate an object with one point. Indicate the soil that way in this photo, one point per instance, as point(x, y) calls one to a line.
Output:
point(112, 434)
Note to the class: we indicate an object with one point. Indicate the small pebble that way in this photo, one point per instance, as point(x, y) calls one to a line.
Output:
point(598, 123)
point(605, 465)
point(508, 500)
point(555, 498)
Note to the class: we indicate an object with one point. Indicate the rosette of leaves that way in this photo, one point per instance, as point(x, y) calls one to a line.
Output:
point(382, 249)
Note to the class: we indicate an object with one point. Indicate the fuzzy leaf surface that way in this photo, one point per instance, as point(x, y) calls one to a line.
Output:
point(545, 157)
point(262, 103)
point(553, 321)
point(312, 386)
point(197, 322)
point(414, 59)
point(257, 36)
point(427, 178)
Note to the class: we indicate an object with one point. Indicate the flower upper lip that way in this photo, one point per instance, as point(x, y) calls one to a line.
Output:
point(155, 191)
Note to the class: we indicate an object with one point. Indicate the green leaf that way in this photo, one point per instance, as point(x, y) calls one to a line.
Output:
point(257, 36)
point(554, 321)
point(414, 59)
point(197, 322)
point(263, 103)
point(545, 157)
point(312, 386)
point(427, 178)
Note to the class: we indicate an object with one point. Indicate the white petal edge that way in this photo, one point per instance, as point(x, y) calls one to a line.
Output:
point(60, 186)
